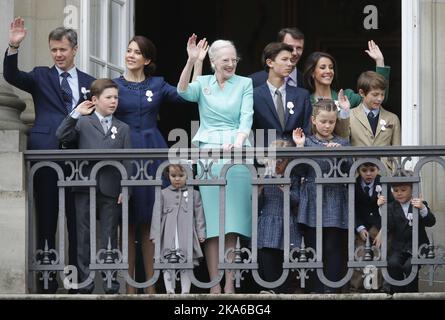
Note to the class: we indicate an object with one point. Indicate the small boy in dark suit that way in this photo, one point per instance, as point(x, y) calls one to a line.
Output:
point(400, 228)
point(367, 216)
point(92, 126)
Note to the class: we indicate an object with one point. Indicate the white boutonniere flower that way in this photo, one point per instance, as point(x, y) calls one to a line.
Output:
point(114, 132)
point(207, 90)
point(378, 189)
point(410, 218)
point(185, 194)
point(84, 92)
point(383, 124)
point(290, 106)
point(149, 95)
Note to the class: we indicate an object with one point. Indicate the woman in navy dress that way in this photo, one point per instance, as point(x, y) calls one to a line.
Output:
point(140, 97)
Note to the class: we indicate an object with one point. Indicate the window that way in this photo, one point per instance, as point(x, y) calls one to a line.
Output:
point(106, 27)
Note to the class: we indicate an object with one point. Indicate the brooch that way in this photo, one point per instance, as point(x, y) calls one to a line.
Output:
point(149, 94)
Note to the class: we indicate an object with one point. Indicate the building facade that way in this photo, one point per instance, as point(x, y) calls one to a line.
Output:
point(104, 28)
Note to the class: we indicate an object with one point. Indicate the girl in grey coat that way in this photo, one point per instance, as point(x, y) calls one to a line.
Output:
point(173, 228)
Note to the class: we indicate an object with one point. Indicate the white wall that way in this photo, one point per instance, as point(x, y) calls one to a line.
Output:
point(432, 111)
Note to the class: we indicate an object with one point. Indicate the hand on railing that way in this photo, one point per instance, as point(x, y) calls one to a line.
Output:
point(364, 234)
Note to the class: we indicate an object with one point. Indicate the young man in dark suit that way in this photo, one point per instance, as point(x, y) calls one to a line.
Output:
point(55, 91)
point(277, 105)
point(97, 130)
point(295, 38)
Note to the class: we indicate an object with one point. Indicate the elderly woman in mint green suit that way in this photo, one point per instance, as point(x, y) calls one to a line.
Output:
point(226, 113)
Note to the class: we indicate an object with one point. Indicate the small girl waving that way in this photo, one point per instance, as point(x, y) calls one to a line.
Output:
point(335, 196)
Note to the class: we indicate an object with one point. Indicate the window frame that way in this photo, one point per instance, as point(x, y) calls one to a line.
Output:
point(126, 32)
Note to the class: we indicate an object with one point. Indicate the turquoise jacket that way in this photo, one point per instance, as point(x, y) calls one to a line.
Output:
point(223, 113)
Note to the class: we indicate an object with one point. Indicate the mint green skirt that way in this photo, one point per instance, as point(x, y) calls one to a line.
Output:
point(238, 213)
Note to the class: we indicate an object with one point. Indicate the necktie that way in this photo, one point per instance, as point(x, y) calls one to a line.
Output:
point(372, 121)
point(280, 107)
point(366, 189)
point(104, 123)
point(67, 94)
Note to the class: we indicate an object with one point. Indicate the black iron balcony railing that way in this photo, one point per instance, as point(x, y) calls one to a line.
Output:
point(47, 263)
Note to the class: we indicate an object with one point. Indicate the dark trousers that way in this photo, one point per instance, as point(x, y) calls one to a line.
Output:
point(46, 195)
point(270, 263)
point(109, 212)
point(335, 241)
point(399, 267)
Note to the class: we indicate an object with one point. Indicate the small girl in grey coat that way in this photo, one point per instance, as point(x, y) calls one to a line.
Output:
point(173, 228)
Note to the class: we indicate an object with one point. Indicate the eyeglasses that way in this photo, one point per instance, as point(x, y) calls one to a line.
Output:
point(228, 61)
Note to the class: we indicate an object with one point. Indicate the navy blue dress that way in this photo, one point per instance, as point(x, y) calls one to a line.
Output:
point(335, 196)
point(271, 217)
point(139, 104)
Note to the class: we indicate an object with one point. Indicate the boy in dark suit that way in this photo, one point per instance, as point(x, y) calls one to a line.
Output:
point(55, 92)
point(279, 107)
point(295, 38)
point(97, 130)
point(367, 215)
point(400, 222)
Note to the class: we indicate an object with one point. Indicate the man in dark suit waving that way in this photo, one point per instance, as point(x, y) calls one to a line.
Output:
point(55, 92)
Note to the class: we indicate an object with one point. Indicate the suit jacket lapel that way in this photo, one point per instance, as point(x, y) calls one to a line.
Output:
point(290, 97)
point(96, 123)
point(82, 83)
point(55, 83)
point(361, 117)
point(401, 214)
point(265, 92)
point(382, 115)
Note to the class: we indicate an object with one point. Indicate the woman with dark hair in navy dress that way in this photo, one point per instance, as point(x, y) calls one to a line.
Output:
point(140, 97)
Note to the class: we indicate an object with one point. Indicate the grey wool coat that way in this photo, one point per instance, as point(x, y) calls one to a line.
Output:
point(175, 212)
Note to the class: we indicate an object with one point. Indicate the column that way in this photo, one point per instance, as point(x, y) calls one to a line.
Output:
point(13, 230)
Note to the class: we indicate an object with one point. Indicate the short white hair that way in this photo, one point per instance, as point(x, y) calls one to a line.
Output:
point(216, 47)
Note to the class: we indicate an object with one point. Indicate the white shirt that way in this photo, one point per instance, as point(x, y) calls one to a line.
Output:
point(405, 207)
point(282, 89)
point(292, 78)
point(109, 118)
point(374, 111)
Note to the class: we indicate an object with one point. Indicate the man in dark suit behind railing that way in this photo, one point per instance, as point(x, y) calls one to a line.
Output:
point(55, 91)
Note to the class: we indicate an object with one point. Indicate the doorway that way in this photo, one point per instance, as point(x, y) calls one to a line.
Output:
point(336, 27)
